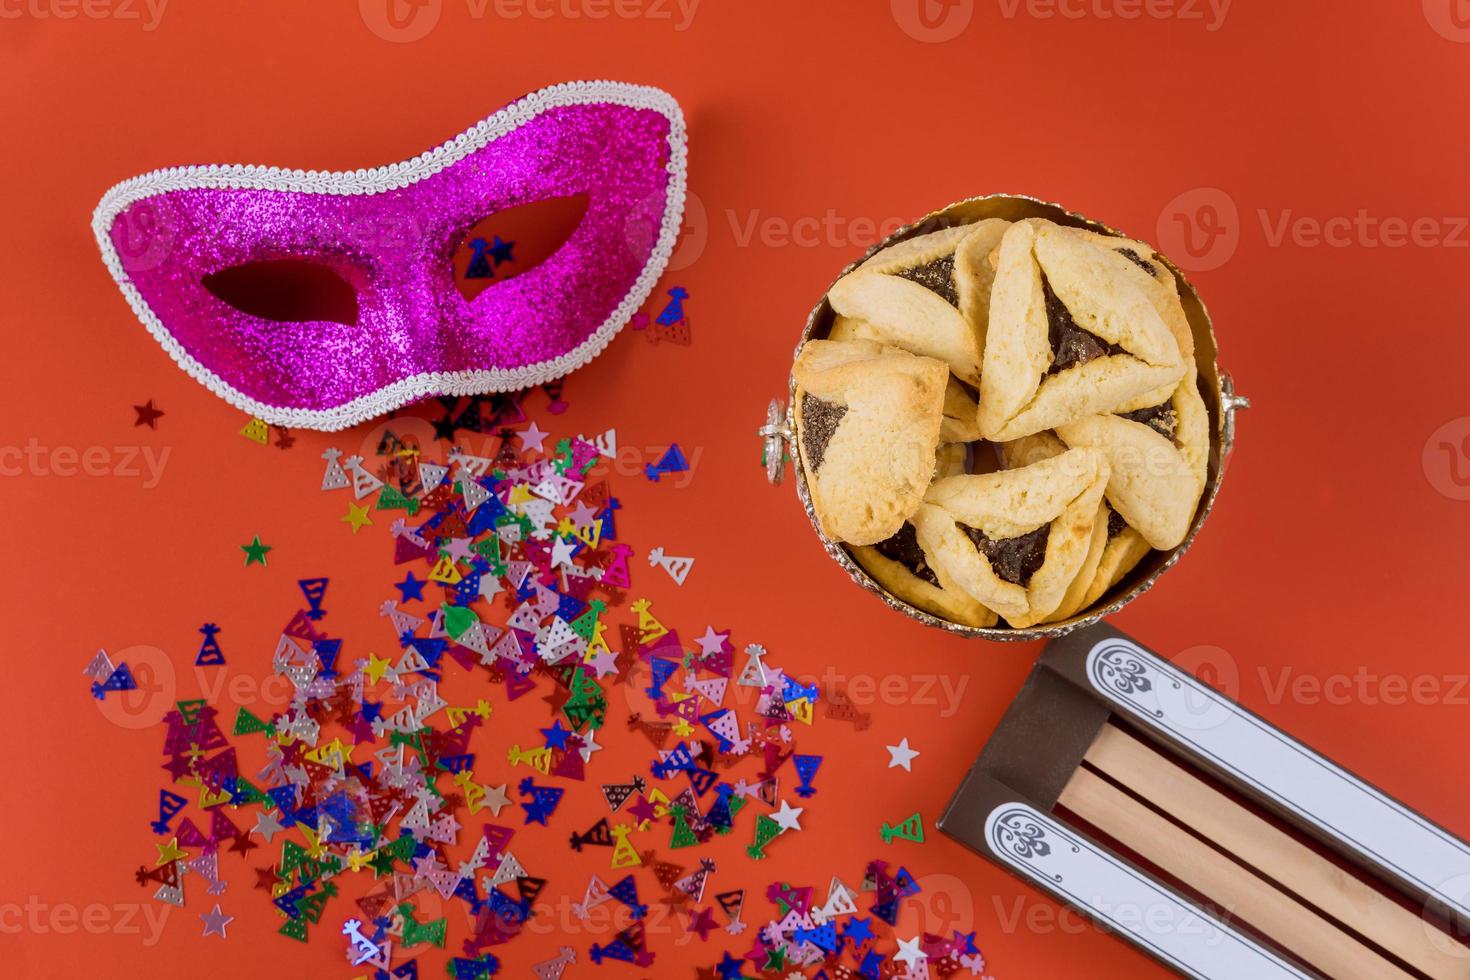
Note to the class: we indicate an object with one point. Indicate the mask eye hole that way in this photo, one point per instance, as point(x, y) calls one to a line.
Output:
point(285, 291)
point(512, 242)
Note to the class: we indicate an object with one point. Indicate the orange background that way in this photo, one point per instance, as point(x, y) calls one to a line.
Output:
point(1337, 549)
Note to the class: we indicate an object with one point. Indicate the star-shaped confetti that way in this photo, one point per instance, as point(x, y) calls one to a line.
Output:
point(266, 825)
point(532, 438)
point(500, 251)
point(496, 798)
point(411, 588)
point(858, 931)
point(788, 817)
point(147, 415)
point(255, 552)
point(356, 516)
point(215, 922)
point(711, 643)
point(702, 922)
point(909, 952)
point(729, 967)
point(901, 755)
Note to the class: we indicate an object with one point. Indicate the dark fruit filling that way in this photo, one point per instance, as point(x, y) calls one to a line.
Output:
point(1013, 559)
point(1161, 418)
point(937, 277)
point(1071, 346)
point(904, 548)
point(818, 424)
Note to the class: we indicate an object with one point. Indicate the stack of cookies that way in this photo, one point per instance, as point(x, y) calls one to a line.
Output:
point(1005, 419)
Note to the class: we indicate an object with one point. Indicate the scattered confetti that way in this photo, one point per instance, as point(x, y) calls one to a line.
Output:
point(147, 415)
point(210, 654)
point(553, 969)
point(788, 817)
point(838, 938)
point(370, 793)
point(257, 431)
point(119, 679)
point(678, 568)
point(672, 462)
point(672, 324)
point(677, 334)
point(100, 667)
point(902, 755)
point(533, 437)
point(911, 829)
point(674, 312)
point(909, 953)
point(215, 922)
point(255, 552)
point(356, 517)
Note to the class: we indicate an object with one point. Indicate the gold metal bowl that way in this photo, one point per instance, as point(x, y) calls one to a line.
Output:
point(1215, 387)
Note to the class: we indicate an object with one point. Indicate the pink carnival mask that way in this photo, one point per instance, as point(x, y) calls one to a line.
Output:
point(415, 334)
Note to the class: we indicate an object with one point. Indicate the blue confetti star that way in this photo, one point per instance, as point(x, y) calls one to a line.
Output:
point(412, 588)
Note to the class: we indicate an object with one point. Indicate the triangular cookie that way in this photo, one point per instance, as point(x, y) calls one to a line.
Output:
point(867, 429)
point(929, 295)
point(1158, 456)
point(1073, 332)
point(902, 568)
point(1015, 540)
point(1125, 548)
point(1115, 549)
point(1157, 281)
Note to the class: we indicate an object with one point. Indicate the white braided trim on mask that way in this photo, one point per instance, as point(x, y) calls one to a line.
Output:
point(392, 177)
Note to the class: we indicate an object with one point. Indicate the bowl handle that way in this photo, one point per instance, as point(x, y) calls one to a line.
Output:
point(1230, 403)
point(776, 439)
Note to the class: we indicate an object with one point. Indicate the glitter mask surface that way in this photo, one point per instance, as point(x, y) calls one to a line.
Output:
point(391, 234)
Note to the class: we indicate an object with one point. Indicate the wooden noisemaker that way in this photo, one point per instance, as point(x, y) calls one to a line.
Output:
point(1171, 816)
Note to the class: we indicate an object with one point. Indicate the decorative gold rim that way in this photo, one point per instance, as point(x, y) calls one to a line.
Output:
point(1218, 392)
